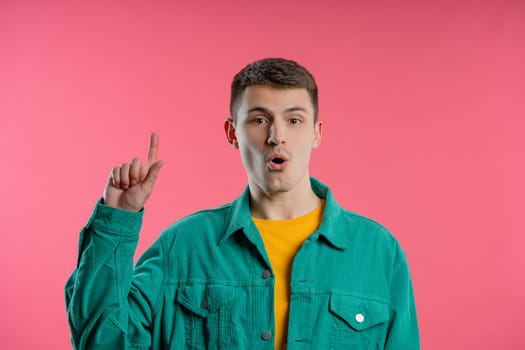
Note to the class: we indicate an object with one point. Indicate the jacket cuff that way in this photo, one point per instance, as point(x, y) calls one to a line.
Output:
point(115, 221)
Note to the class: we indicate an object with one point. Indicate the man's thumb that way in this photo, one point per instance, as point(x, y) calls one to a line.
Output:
point(151, 177)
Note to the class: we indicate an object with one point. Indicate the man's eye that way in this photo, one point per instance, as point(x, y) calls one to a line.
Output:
point(259, 120)
point(295, 121)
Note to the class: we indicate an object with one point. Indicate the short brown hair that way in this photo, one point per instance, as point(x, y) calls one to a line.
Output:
point(278, 73)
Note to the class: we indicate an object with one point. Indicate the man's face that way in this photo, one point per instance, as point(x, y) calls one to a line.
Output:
point(275, 134)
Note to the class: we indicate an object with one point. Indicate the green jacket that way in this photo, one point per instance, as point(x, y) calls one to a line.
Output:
point(207, 283)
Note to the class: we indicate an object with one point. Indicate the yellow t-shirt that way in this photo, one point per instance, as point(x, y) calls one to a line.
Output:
point(282, 239)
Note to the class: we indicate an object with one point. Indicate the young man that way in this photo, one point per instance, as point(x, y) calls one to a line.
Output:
point(283, 266)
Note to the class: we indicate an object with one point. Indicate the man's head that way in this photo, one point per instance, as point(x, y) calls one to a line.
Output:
point(274, 124)
point(277, 73)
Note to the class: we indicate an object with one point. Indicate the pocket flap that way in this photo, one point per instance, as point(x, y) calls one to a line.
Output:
point(202, 299)
point(359, 313)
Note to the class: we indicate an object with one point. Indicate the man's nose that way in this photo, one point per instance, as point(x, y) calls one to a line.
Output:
point(276, 134)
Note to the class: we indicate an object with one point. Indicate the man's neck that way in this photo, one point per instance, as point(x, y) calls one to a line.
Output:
point(299, 201)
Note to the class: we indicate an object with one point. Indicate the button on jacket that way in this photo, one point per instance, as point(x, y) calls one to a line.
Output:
point(207, 283)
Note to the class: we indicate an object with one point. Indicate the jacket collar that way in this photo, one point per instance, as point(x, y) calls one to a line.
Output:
point(333, 227)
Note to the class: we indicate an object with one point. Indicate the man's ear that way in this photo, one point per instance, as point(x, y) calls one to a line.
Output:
point(229, 129)
point(318, 134)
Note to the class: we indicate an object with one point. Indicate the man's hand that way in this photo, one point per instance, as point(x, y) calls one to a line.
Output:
point(129, 185)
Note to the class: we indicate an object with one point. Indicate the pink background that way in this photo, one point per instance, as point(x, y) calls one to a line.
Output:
point(423, 110)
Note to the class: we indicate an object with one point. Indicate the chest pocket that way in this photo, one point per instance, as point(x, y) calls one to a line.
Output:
point(361, 323)
point(208, 319)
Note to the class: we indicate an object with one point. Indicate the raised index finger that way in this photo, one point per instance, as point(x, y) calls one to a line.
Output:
point(153, 148)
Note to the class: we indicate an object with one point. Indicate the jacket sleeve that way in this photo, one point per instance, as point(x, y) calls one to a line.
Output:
point(109, 304)
point(403, 333)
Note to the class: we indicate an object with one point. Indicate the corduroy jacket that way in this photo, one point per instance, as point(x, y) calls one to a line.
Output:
point(207, 283)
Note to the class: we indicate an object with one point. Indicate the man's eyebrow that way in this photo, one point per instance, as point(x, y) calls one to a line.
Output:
point(295, 109)
point(259, 109)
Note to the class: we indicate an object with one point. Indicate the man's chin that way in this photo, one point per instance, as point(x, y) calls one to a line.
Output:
point(277, 186)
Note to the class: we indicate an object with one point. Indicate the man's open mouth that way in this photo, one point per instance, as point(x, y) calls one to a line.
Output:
point(277, 163)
